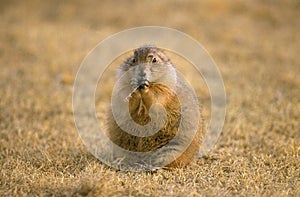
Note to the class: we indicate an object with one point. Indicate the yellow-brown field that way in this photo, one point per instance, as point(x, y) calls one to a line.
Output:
point(255, 44)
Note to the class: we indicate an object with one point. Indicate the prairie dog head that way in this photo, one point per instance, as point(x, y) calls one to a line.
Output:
point(148, 66)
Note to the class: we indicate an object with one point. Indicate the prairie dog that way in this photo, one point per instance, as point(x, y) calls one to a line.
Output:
point(151, 78)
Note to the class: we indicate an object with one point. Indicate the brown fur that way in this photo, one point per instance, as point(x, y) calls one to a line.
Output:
point(139, 104)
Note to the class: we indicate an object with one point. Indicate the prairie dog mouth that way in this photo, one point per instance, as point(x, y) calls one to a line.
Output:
point(143, 85)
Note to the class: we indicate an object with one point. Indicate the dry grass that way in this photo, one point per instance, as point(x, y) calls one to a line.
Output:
point(255, 45)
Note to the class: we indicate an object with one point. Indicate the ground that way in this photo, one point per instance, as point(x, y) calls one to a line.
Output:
point(255, 45)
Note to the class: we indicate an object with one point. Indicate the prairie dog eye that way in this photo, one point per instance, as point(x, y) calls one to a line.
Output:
point(154, 60)
point(133, 60)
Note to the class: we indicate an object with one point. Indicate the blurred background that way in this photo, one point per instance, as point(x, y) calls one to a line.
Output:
point(42, 43)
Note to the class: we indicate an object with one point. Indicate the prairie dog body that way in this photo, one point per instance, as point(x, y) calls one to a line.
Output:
point(151, 78)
